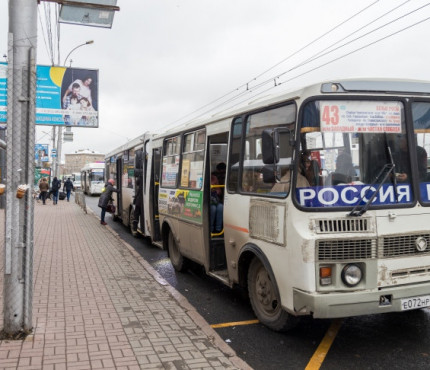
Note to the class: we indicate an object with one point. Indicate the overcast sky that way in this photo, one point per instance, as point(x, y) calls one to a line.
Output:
point(164, 59)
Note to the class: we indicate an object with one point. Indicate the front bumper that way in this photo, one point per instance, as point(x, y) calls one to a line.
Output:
point(345, 304)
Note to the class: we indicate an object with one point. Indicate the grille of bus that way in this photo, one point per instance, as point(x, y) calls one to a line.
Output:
point(345, 249)
point(402, 245)
point(343, 225)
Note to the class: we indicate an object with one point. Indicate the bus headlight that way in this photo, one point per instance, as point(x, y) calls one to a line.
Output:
point(351, 275)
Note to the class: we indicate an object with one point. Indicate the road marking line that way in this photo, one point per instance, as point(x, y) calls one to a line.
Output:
point(235, 323)
point(322, 350)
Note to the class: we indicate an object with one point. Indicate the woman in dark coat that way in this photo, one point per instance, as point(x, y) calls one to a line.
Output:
point(105, 198)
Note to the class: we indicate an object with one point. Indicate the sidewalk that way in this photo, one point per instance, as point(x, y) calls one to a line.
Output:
point(98, 305)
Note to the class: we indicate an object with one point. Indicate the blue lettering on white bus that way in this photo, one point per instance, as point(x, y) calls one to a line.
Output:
point(350, 195)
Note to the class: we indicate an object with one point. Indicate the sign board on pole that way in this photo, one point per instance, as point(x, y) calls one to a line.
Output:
point(53, 153)
point(88, 14)
point(41, 152)
point(3, 94)
point(64, 96)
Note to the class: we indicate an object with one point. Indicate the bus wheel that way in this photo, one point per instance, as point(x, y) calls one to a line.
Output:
point(265, 299)
point(131, 224)
point(175, 255)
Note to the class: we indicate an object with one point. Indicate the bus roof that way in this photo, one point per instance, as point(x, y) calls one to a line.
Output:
point(95, 165)
point(140, 140)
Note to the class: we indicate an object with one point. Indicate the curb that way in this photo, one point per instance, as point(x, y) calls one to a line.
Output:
point(183, 302)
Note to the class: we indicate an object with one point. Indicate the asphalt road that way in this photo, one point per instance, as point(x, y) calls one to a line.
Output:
point(390, 341)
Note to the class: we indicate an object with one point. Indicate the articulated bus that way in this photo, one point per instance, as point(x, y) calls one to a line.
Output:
point(93, 178)
point(325, 202)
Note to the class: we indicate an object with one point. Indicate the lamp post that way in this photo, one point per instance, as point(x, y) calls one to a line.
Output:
point(57, 159)
point(86, 43)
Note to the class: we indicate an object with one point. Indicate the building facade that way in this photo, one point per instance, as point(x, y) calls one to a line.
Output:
point(74, 162)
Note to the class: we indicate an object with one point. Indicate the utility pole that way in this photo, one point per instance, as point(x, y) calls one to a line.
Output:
point(53, 159)
point(18, 276)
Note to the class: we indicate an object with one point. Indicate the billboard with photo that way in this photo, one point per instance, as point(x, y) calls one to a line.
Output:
point(64, 96)
point(41, 152)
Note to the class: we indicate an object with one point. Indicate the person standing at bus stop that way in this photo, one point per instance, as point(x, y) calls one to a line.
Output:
point(105, 198)
point(68, 187)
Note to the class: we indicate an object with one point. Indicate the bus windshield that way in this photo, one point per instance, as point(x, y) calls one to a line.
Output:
point(356, 153)
point(97, 176)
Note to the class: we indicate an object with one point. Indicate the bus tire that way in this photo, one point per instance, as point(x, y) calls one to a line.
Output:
point(175, 255)
point(131, 222)
point(265, 300)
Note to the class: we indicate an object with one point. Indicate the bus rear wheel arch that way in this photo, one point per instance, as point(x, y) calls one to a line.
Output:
point(265, 300)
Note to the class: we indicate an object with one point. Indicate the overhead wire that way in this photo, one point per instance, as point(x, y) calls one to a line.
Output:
point(315, 57)
point(333, 60)
point(43, 32)
point(274, 66)
point(246, 85)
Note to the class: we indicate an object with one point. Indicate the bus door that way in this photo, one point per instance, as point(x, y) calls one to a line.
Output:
point(139, 181)
point(154, 185)
point(118, 180)
point(215, 174)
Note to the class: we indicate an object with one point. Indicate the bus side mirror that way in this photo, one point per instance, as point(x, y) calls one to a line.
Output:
point(270, 146)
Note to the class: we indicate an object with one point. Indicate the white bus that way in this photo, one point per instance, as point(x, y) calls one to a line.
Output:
point(326, 205)
point(93, 178)
point(76, 180)
point(128, 166)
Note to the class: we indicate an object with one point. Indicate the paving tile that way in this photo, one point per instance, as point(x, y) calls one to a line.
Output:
point(97, 304)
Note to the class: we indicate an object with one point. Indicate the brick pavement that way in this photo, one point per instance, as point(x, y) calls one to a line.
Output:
point(97, 304)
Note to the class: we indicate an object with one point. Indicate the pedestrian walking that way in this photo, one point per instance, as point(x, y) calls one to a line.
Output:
point(43, 187)
point(105, 198)
point(56, 185)
point(68, 187)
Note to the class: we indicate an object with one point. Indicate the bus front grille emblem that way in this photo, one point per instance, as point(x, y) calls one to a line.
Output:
point(421, 244)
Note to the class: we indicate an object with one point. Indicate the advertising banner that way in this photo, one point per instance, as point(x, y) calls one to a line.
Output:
point(185, 204)
point(3, 94)
point(64, 96)
point(41, 152)
point(41, 172)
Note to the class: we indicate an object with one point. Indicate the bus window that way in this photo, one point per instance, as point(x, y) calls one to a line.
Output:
point(128, 169)
point(421, 118)
point(233, 172)
point(171, 151)
point(192, 160)
point(252, 164)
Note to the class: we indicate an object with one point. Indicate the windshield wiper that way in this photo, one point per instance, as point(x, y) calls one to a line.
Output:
point(389, 168)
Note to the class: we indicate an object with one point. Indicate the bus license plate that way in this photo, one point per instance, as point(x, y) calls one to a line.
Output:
point(415, 302)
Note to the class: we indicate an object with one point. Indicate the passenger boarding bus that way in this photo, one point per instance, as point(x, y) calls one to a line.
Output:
point(325, 202)
point(93, 178)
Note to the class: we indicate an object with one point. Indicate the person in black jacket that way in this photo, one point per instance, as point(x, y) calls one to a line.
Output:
point(56, 185)
point(138, 200)
point(68, 187)
point(105, 198)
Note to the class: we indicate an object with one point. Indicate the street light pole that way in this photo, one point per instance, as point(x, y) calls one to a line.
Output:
point(60, 129)
point(86, 43)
